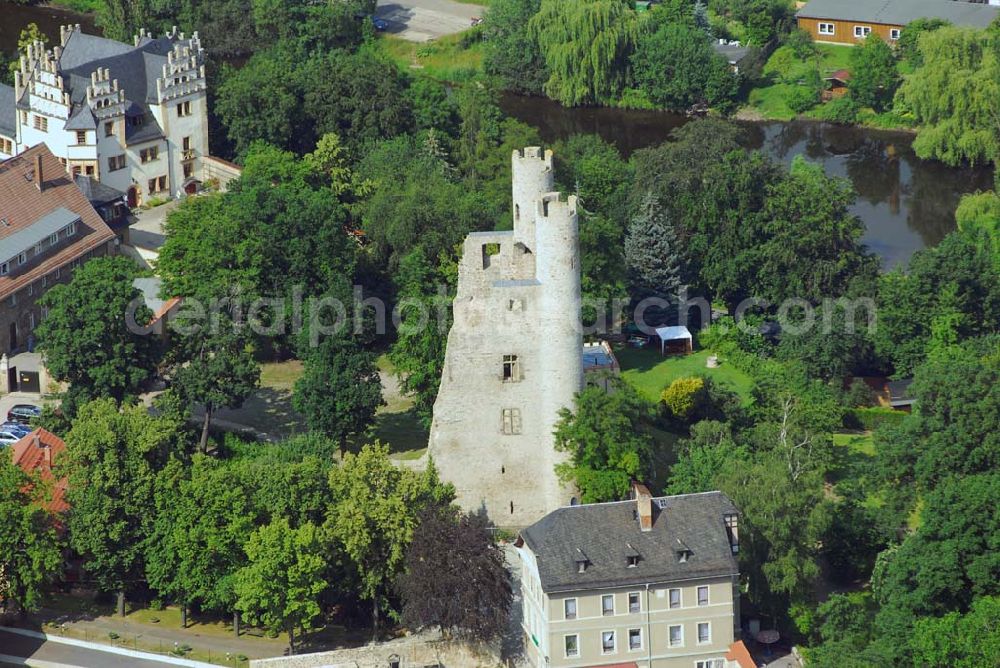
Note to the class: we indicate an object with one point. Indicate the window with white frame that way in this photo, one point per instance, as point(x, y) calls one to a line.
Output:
point(71, 229)
point(862, 31)
point(571, 645)
point(634, 604)
point(826, 29)
point(704, 633)
point(703, 595)
point(22, 257)
point(607, 642)
point(41, 123)
point(675, 598)
point(53, 239)
point(634, 639)
point(569, 608)
point(608, 604)
point(4, 269)
point(893, 33)
point(675, 635)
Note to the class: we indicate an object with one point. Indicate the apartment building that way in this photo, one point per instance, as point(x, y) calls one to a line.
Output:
point(650, 583)
point(48, 228)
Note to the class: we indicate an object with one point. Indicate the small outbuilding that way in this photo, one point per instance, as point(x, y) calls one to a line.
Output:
point(675, 339)
point(836, 84)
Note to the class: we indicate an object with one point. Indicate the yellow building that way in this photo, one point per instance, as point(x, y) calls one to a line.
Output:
point(645, 583)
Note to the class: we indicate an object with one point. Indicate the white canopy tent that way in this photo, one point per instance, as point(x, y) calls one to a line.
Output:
point(675, 333)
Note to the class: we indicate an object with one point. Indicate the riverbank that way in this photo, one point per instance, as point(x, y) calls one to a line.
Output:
point(788, 79)
point(78, 6)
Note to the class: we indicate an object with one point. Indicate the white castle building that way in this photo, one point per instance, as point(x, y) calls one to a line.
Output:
point(133, 117)
point(513, 359)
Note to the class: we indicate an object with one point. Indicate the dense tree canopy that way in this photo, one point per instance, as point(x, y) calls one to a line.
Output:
point(86, 336)
point(30, 546)
point(585, 45)
point(605, 439)
point(677, 67)
point(113, 459)
point(954, 96)
point(374, 517)
point(874, 77)
point(512, 54)
point(339, 390)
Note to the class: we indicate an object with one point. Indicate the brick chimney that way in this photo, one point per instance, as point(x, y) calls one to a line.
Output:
point(39, 179)
point(643, 506)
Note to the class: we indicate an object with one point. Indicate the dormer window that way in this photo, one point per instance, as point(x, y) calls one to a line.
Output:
point(22, 258)
point(631, 556)
point(682, 551)
point(581, 561)
point(4, 268)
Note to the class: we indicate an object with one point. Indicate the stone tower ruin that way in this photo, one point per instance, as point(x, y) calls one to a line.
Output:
point(514, 354)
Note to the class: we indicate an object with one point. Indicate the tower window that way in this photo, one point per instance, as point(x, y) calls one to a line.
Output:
point(511, 369)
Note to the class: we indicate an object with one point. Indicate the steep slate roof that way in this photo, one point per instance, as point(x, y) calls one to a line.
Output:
point(135, 67)
point(8, 112)
point(29, 454)
point(96, 192)
point(22, 205)
point(604, 532)
point(900, 12)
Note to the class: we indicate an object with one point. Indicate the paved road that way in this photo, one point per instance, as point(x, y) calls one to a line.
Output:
point(424, 20)
point(18, 650)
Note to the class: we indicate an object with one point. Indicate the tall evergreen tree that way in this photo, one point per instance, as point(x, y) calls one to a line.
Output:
point(652, 253)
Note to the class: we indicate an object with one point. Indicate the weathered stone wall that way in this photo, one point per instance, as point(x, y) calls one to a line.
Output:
point(411, 652)
point(518, 301)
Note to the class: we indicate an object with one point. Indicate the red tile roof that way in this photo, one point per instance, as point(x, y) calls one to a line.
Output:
point(35, 453)
point(21, 204)
point(739, 653)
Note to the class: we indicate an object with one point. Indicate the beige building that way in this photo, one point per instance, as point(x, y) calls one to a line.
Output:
point(650, 583)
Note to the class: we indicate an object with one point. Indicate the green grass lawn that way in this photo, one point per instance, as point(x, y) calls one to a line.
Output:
point(280, 375)
point(650, 373)
point(782, 72)
point(445, 59)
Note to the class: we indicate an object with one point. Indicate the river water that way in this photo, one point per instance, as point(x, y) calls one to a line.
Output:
point(906, 203)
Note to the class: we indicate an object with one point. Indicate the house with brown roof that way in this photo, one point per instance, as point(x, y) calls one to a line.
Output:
point(48, 228)
point(35, 454)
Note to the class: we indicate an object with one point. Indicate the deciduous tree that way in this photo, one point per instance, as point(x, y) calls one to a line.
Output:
point(464, 589)
point(280, 587)
point(586, 46)
point(874, 77)
point(606, 442)
point(86, 337)
point(339, 390)
point(375, 514)
point(113, 457)
point(30, 548)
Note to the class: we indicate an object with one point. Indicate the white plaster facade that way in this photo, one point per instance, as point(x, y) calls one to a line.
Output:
point(513, 358)
point(133, 117)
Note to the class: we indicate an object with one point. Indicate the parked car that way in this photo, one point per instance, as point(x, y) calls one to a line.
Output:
point(380, 24)
point(16, 428)
point(23, 413)
point(8, 438)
